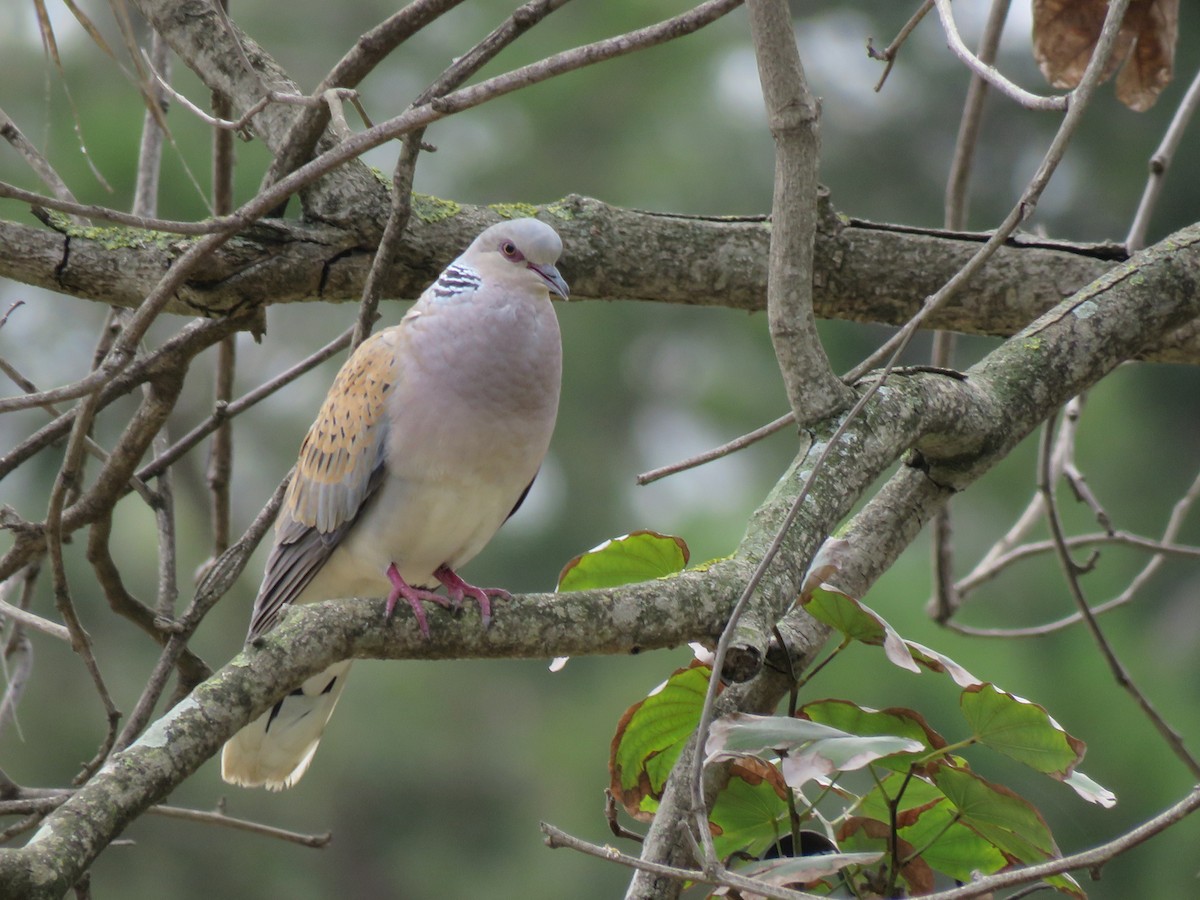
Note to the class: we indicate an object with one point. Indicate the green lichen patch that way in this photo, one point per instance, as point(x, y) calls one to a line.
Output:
point(114, 237)
point(513, 210)
point(560, 211)
point(382, 177)
point(430, 209)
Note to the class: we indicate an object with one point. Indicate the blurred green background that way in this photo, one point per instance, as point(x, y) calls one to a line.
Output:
point(434, 776)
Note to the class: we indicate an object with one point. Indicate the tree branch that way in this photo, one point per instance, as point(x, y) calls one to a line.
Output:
point(813, 389)
point(953, 423)
point(864, 271)
point(1028, 377)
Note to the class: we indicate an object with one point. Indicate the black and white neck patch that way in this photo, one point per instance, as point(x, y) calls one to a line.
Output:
point(457, 279)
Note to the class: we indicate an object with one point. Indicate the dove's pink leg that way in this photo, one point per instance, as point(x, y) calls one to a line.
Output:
point(457, 589)
point(414, 596)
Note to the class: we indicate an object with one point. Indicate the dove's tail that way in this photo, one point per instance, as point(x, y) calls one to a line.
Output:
point(275, 749)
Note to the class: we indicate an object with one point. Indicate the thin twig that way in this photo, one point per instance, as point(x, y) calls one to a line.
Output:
point(1163, 549)
point(1160, 162)
point(40, 165)
point(389, 243)
point(104, 213)
point(958, 184)
point(145, 203)
point(556, 838)
point(717, 452)
point(219, 818)
point(1080, 99)
point(17, 663)
point(145, 196)
point(220, 454)
point(36, 622)
point(1087, 859)
point(95, 450)
point(889, 53)
point(989, 73)
point(222, 413)
point(65, 482)
point(1071, 572)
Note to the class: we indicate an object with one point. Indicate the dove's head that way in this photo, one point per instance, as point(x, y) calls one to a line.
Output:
point(532, 247)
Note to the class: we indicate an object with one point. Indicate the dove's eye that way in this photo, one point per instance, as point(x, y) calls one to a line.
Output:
point(510, 251)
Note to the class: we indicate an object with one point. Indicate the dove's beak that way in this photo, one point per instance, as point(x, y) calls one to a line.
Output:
point(554, 282)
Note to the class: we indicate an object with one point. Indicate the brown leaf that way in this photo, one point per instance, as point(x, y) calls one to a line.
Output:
point(1151, 64)
point(1065, 34)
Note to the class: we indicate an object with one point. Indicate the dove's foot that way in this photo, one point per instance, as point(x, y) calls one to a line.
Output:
point(457, 589)
point(414, 596)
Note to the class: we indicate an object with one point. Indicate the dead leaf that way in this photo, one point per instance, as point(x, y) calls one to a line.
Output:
point(1149, 68)
point(1065, 34)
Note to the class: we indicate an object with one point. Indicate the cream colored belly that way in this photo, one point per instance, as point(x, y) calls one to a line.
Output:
point(419, 527)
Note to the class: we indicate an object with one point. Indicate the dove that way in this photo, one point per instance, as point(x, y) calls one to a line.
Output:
point(428, 440)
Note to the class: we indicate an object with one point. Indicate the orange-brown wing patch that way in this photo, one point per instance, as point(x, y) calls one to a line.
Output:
point(345, 444)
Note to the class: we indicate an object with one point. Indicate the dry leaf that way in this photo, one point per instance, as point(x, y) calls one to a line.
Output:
point(1065, 34)
point(1151, 64)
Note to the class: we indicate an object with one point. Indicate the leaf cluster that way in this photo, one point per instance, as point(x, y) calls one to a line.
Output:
point(914, 808)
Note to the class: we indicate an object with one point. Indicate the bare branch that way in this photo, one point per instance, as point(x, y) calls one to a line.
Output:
point(556, 839)
point(1092, 858)
point(37, 623)
point(315, 841)
point(11, 133)
point(1071, 572)
point(792, 113)
point(990, 73)
point(958, 183)
point(717, 452)
point(1160, 163)
point(1080, 98)
point(889, 53)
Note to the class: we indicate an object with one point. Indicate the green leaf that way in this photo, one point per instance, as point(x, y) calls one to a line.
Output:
point(925, 819)
point(640, 556)
point(1008, 821)
point(863, 720)
point(751, 812)
point(650, 737)
point(1020, 729)
point(949, 846)
point(918, 795)
point(853, 619)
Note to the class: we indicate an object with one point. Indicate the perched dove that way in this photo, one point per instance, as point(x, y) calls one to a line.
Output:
point(428, 440)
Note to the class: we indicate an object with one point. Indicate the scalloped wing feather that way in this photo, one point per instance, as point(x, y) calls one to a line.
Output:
point(345, 444)
point(341, 464)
